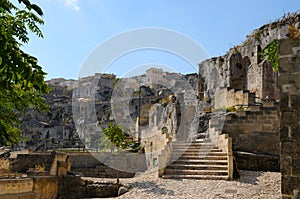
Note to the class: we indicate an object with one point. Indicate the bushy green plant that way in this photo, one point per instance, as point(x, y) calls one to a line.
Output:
point(231, 109)
point(114, 137)
point(270, 52)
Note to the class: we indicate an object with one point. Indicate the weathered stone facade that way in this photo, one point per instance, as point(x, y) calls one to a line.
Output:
point(244, 81)
point(243, 68)
point(289, 84)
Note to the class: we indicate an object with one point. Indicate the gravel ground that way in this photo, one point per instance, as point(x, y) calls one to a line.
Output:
point(252, 184)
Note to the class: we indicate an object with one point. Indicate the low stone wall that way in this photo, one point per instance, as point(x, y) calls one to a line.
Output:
point(15, 186)
point(95, 164)
point(52, 163)
point(102, 171)
point(40, 187)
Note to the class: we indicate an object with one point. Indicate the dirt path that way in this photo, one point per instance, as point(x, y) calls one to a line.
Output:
point(252, 184)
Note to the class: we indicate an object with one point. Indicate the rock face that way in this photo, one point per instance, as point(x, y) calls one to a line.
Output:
point(57, 128)
point(79, 109)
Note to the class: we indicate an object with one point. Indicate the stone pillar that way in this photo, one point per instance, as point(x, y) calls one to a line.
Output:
point(289, 85)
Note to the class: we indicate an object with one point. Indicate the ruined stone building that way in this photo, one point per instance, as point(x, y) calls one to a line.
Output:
point(244, 80)
point(262, 103)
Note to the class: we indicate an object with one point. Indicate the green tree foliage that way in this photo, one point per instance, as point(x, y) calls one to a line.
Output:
point(270, 52)
point(114, 136)
point(21, 78)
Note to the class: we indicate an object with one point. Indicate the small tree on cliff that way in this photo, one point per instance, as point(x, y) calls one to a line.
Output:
point(21, 78)
point(114, 136)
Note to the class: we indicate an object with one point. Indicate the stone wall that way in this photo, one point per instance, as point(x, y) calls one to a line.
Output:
point(45, 187)
point(255, 136)
point(92, 165)
point(38, 187)
point(231, 97)
point(242, 67)
point(25, 161)
point(73, 187)
point(10, 187)
point(289, 84)
point(54, 164)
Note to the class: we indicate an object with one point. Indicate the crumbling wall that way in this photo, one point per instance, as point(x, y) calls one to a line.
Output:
point(243, 67)
point(54, 164)
point(289, 84)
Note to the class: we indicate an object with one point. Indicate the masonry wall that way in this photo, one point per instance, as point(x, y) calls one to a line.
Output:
point(255, 136)
point(289, 84)
point(97, 165)
point(38, 187)
point(230, 97)
point(25, 161)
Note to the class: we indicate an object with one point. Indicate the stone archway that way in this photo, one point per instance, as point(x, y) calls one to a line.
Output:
point(237, 78)
point(246, 63)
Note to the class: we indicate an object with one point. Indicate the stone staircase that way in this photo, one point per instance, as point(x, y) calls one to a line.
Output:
point(198, 160)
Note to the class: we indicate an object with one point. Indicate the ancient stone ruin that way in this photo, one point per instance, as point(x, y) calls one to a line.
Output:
point(243, 115)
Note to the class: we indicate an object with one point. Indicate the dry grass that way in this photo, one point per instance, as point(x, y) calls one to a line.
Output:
point(4, 166)
point(37, 168)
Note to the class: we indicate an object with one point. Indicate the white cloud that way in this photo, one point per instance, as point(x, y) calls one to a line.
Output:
point(72, 4)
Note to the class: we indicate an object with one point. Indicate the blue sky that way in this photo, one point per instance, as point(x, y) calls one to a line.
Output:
point(74, 28)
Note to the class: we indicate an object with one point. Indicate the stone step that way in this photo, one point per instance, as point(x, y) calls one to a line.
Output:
point(197, 157)
point(180, 150)
point(200, 153)
point(195, 172)
point(192, 144)
point(194, 147)
point(197, 167)
point(200, 162)
point(196, 177)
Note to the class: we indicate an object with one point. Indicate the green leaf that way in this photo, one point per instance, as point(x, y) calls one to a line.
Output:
point(22, 81)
